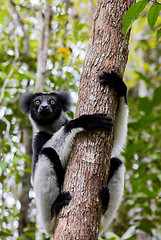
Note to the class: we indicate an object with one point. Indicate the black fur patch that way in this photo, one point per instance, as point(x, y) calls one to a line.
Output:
point(62, 200)
point(105, 198)
point(52, 155)
point(115, 163)
point(104, 192)
point(25, 102)
point(114, 81)
point(39, 140)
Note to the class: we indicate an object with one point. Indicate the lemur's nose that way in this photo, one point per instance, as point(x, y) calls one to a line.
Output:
point(45, 107)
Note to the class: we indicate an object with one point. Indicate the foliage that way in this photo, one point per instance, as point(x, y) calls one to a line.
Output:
point(133, 13)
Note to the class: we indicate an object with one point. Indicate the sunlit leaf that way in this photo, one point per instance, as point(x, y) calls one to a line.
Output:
point(4, 166)
point(29, 74)
point(158, 35)
point(132, 14)
point(153, 14)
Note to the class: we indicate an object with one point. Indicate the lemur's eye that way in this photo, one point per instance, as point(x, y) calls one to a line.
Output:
point(37, 102)
point(52, 101)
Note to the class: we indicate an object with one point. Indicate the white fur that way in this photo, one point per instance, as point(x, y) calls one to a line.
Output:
point(116, 189)
point(50, 129)
point(46, 191)
point(62, 143)
point(120, 132)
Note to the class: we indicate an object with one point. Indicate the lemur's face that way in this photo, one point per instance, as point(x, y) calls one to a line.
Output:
point(45, 108)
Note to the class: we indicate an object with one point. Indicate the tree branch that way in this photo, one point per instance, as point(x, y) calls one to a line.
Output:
point(154, 1)
point(21, 23)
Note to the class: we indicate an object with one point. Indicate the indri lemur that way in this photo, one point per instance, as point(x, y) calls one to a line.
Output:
point(53, 143)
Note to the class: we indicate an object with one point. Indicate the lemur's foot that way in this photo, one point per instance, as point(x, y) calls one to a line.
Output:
point(62, 200)
point(105, 197)
point(115, 81)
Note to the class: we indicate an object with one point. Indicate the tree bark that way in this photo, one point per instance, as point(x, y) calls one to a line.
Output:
point(88, 165)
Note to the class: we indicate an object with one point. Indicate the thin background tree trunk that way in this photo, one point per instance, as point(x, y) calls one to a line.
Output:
point(44, 36)
point(88, 165)
point(45, 18)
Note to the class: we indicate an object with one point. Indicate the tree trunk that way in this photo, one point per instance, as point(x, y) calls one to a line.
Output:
point(88, 165)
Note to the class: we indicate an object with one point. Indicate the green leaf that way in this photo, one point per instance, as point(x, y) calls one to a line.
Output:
point(145, 105)
point(132, 14)
point(156, 96)
point(5, 234)
point(146, 79)
point(145, 190)
point(17, 178)
point(153, 14)
point(5, 219)
point(158, 35)
point(4, 166)
point(3, 75)
point(29, 74)
point(143, 225)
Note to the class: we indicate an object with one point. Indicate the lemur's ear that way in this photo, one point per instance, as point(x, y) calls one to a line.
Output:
point(65, 100)
point(25, 102)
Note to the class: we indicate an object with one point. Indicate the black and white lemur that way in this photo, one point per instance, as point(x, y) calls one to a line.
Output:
point(53, 143)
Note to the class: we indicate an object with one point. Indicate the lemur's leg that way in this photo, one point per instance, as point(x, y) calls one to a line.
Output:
point(64, 197)
point(115, 81)
point(111, 194)
point(62, 200)
point(49, 177)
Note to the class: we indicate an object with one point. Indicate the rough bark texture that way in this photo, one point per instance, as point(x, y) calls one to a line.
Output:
point(88, 166)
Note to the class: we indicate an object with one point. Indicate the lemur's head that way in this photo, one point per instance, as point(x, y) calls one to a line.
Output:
point(45, 108)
